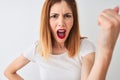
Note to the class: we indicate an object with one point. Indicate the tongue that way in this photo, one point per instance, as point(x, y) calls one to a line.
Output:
point(61, 35)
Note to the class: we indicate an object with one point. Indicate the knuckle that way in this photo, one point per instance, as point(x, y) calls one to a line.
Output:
point(110, 25)
point(106, 10)
point(117, 23)
point(113, 25)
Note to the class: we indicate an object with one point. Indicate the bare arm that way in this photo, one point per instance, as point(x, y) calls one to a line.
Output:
point(87, 63)
point(100, 67)
point(109, 20)
point(11, 70)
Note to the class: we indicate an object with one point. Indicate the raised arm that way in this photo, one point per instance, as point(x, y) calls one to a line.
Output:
point(109, 20)
point(11, 70)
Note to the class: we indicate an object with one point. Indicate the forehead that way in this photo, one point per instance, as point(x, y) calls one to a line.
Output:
point(60, 7)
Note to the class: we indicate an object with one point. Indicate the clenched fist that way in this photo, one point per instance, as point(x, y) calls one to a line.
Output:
point(109, 21)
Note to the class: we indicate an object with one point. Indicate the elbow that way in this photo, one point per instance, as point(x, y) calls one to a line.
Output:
point(8, 73)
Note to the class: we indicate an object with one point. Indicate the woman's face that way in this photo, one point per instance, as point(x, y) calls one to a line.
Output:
point(61, 21)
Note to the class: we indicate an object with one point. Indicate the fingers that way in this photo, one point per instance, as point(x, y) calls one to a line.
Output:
point(116, 9)
point(104, 21)
point(112, 16)
point(109, 17)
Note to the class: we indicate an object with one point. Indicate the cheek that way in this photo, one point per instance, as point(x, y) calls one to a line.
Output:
point(52, 26)
point(51, 23)
point(70, 24)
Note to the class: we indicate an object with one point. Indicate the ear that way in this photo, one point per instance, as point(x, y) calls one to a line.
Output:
point(116, 9)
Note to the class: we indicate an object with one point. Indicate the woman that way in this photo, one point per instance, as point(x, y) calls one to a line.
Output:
point(61, 52)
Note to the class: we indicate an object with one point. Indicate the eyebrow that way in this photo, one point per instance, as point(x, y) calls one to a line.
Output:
point(58, 13)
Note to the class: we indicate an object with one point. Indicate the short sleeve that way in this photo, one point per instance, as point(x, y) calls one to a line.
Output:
point(86, 47)
point(30, 52)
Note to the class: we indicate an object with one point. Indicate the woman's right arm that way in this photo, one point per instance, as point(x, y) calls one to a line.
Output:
point(11, 70)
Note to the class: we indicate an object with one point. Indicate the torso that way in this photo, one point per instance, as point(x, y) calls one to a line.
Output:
point(60, 67)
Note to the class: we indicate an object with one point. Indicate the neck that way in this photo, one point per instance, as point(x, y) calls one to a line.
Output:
point(59, 45)
point(58, 48)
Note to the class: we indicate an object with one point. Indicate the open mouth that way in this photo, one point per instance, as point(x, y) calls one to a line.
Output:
point(61, 33)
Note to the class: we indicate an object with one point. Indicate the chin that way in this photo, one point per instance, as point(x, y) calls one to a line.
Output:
point(61, 40)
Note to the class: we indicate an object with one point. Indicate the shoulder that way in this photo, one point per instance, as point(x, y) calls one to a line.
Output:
point(31, 51)
point(86, 47)
point(86, 43)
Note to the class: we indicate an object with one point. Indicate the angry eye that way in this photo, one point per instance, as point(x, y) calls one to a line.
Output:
point(67, 16)
point(54, 16)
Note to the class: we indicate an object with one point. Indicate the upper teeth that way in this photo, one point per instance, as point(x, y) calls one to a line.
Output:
point(61, 30)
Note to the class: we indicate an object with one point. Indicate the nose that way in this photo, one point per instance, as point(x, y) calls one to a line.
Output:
point(61, 21)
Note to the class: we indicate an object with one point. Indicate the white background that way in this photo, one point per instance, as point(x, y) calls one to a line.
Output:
point(19, 28)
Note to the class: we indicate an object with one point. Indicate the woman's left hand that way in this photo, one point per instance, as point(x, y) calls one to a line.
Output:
point(109, 20)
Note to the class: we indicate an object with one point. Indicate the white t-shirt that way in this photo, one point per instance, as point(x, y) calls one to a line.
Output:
point(60, 67)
